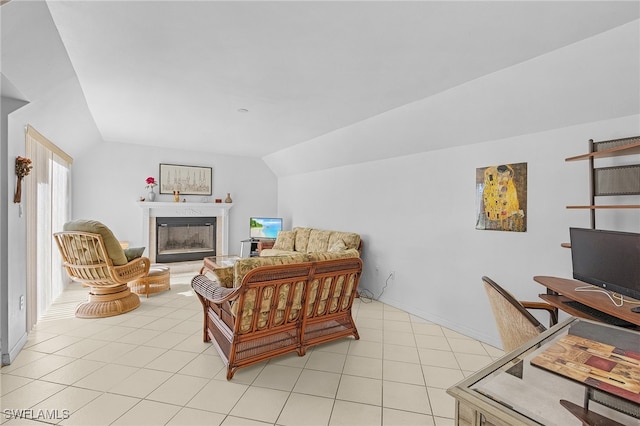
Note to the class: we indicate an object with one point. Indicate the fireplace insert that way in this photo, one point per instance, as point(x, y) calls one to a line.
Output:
point(180, 239)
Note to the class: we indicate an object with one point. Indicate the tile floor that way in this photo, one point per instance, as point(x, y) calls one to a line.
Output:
point(150, 367)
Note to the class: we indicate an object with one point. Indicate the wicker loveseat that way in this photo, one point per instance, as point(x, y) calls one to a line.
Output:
point(280, 305)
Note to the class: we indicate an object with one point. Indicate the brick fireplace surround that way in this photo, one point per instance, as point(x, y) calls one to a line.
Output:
point(151, 210)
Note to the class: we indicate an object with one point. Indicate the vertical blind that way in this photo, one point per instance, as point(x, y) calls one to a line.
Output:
point(48, 207)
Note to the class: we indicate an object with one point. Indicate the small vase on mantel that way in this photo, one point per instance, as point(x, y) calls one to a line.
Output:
point(151, 196)
point(228, 199)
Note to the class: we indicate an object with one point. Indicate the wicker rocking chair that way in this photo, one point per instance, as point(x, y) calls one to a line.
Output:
point(92, 256)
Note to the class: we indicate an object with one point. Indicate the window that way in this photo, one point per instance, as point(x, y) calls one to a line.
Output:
point(48, 207)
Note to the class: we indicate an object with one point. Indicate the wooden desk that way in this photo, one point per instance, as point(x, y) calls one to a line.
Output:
point(562, 289)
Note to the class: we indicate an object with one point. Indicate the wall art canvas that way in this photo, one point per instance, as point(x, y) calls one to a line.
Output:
point(501, 197)
point(188, 180)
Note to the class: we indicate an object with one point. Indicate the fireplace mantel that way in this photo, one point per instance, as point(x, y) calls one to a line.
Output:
point(151, 210)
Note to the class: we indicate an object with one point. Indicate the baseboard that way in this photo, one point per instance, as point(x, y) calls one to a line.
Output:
point(8, 358)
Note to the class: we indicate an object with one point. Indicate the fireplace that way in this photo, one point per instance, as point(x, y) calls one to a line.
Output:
point(151, 211)
point(180, 239)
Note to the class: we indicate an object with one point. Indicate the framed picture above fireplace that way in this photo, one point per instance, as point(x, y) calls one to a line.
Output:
point(189, 180)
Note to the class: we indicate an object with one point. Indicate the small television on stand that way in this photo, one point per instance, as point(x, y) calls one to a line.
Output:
point(607, 259)
point(264, 228)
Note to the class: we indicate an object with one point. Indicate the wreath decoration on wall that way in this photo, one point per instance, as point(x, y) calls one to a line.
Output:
point(23, 168)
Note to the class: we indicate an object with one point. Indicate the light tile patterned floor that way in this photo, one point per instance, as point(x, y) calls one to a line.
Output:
point(150, 367)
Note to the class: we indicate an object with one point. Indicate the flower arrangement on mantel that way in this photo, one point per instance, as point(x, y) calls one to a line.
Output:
point(151, 183)
point(23, 168)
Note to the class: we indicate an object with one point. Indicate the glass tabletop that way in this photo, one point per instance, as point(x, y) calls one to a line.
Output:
point(583, 362)
point(221, 261)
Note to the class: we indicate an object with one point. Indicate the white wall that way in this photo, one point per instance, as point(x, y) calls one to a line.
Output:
point(12, 246)
point(416, 215)
point(109, 180)
point(415, 207)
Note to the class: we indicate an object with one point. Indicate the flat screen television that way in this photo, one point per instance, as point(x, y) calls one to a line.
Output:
point(607, 259)
point(264, 228)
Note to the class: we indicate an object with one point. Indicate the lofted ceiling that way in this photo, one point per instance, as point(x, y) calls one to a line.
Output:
point(253, 78)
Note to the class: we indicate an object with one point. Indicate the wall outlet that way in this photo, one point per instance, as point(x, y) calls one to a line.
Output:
point(21, 302)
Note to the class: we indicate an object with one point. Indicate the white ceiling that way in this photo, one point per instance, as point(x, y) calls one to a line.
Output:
point(176, 73)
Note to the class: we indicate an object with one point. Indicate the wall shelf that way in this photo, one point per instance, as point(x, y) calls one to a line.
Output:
point(610, 206)
point(623, 180)
point(626, 146)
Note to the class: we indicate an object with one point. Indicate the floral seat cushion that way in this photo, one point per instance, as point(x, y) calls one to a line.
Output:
point(266, 301)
